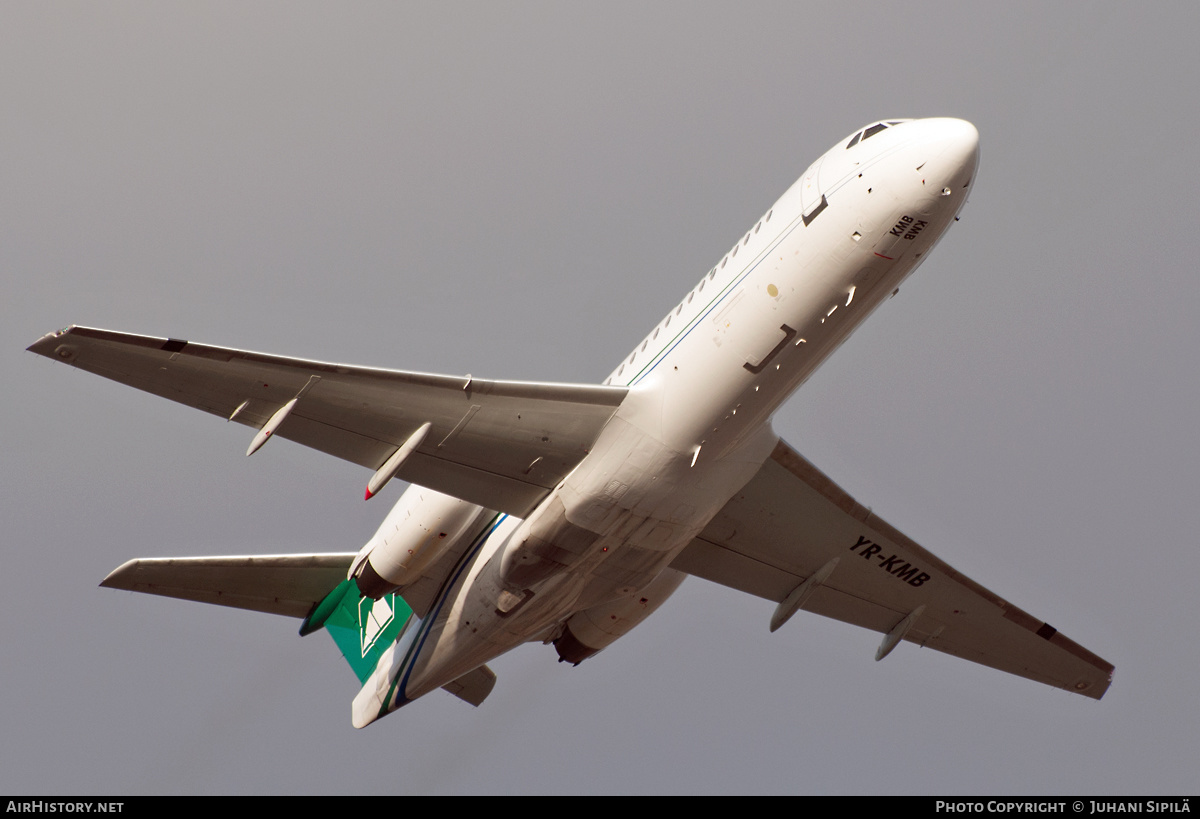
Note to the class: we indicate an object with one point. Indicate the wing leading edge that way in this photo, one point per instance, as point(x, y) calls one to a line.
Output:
point(791, 521)
point(500, 444)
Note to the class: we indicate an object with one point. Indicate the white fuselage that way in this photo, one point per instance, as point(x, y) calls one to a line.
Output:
point(695, 426)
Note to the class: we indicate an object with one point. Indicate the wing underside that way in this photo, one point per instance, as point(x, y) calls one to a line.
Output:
point(791, 521)
point(276, 584)
point(500, 444)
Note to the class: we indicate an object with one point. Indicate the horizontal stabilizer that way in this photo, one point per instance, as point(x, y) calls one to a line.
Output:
point(474, 686)
point(276, 584)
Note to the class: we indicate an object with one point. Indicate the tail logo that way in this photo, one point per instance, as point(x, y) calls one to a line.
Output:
point(374, 616)
point(363, 628)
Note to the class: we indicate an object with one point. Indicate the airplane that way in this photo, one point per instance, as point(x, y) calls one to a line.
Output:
point(566, 514)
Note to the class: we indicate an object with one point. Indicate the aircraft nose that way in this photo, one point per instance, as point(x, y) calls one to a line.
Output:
point(955, 149)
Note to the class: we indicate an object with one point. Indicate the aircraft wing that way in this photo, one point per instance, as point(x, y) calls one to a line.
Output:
point(790, 523)
point(500, 444)
point(276, 584)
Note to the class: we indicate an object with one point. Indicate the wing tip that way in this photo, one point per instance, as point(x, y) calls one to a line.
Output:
point(46, 345)
point(121, 577)
point(1090, 689)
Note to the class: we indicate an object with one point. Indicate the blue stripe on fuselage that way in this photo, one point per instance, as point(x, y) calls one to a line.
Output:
point(410, 661)
point(733, 287)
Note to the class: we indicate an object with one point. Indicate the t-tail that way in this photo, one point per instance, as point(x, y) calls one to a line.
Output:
point(364, 629)
point(379, 639)
point(376, 637)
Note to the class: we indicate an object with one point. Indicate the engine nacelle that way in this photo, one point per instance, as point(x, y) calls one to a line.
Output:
point(587, 632)
point(418, 530)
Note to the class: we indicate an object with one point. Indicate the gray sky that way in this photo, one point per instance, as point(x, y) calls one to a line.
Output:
point(521, 191)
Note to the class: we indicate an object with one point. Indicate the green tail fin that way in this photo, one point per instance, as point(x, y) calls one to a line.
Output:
point(362, 628)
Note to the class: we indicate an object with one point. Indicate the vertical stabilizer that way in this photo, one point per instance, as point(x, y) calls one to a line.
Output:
point(362, 628)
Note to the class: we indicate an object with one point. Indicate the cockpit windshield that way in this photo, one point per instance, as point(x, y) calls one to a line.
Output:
point(872, 131)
